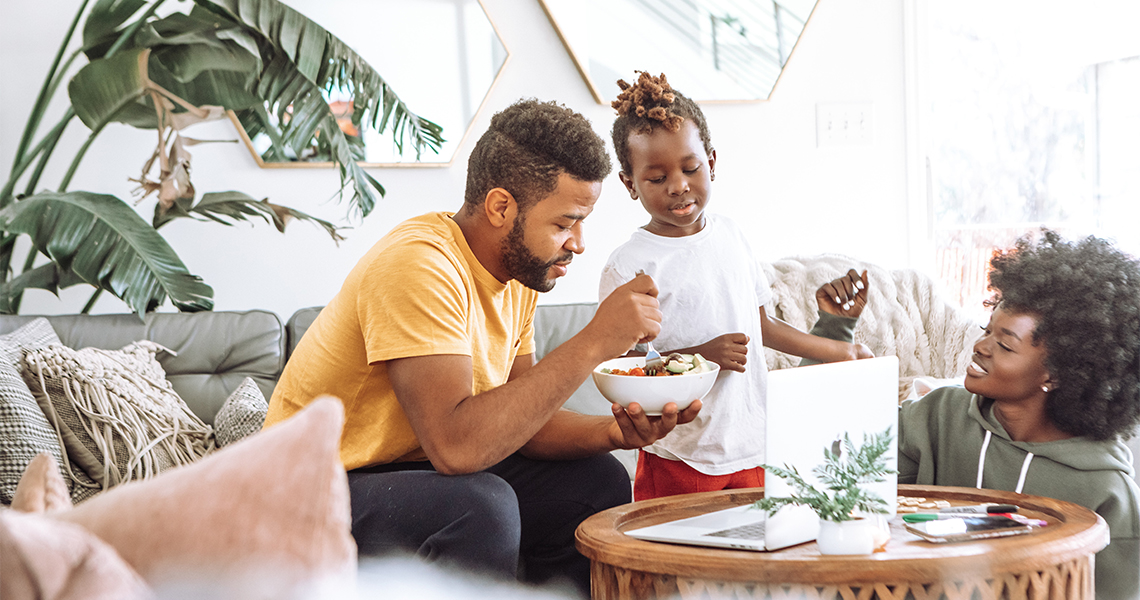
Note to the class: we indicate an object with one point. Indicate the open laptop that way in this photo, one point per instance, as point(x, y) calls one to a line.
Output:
point(809, 408)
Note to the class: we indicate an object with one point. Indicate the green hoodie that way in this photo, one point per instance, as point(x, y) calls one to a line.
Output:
point(941, 439)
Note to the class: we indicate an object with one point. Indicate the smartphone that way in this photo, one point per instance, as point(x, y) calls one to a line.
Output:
point(968, 528)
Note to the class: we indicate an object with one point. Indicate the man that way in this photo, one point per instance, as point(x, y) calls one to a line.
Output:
point(455, 441)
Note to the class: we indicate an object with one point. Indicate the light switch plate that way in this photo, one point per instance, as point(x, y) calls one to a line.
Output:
point(846, 124)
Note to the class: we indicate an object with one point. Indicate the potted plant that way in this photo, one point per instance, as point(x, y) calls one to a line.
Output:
point(259, 58)
point(844, 502)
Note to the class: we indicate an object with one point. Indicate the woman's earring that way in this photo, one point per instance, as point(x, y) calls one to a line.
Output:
point(1045, 389)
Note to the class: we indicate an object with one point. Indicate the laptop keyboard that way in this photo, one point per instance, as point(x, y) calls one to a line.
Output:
point(754, 531)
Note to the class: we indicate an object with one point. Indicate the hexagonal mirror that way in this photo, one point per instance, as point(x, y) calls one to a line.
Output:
point(728, 50)
point(440, 56)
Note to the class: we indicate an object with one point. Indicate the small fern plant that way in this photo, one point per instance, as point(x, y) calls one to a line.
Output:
point(844, 475)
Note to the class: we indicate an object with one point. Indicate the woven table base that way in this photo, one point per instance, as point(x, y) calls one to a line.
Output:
point(1072, 580)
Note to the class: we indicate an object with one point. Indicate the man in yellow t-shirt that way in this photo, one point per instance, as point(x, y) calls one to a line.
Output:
point(455, 441)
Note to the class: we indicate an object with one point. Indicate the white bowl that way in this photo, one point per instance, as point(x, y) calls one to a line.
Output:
point(652, 393)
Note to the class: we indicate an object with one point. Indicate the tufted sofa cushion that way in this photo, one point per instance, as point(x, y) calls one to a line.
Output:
point(215, 350)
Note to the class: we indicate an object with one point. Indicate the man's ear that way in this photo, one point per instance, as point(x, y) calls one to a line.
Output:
point(628, 183)
point(712, 165)
point(500, 207)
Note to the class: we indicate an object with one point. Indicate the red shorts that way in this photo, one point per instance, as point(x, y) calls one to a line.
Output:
point(658, 477)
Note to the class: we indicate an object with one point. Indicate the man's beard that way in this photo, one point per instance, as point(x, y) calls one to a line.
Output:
point(523, 265)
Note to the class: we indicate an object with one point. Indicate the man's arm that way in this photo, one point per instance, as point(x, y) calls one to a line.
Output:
point(462, 432)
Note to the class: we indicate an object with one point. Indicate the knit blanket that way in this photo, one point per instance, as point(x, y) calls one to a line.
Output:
point(906, 315)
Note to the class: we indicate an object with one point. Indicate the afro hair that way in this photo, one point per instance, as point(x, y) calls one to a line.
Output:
point(647, 105)
point(1085, 296)
point(527, 147)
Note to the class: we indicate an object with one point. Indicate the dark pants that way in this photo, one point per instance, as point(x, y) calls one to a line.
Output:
point(487, 521)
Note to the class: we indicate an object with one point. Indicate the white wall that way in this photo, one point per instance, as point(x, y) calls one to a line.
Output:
point(771, 176)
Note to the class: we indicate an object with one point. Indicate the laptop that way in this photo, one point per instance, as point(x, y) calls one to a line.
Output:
point(809, 409)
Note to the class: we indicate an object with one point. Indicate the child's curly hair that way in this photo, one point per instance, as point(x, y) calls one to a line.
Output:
point(648, 104)
point(1085, 296)
point(528, 145)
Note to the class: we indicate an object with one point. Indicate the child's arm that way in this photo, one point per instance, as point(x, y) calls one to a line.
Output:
point(730, 351)
point(845, 297)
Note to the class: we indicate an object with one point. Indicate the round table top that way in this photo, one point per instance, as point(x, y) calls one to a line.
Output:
point(1072, 532)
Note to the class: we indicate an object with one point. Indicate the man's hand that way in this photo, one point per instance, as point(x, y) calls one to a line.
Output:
point(730, 351)
point(628, 316)
point(845, 296)
point(635, 429)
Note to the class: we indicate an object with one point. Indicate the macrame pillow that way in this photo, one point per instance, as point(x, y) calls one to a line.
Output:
point(242, 414)
point(116, 415)
point(24, 431)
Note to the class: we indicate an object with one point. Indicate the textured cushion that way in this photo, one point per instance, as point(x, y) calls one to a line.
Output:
point(118, 417)
point(275, 505)
point(242, 415)
point(24, 430)
point(44, 558)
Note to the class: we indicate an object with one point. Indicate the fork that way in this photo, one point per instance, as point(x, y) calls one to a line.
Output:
point(651, 354)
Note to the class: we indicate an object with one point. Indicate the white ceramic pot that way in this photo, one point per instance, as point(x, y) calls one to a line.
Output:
point(857, 536)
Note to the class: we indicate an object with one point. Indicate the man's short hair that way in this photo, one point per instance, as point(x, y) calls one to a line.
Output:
point(528, 145)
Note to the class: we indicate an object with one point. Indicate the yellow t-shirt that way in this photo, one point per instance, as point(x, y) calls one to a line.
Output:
point(419, 291)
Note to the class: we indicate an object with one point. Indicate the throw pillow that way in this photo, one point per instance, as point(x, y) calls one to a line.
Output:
point(117, 416)
point(23, 428)
point(41, 557)
point(41, 488)
point(274, 507)
point(241, 415)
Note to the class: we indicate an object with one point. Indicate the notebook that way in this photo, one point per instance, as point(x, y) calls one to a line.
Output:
point(809, 408)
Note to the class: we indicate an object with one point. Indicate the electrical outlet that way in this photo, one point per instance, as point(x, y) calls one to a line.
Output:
point(845, 124)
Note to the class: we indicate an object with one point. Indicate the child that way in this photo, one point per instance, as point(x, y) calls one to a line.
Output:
point(1054, 383)
point(712, 294)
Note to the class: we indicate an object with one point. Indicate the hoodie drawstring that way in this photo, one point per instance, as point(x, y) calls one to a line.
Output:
point(982, 458)
point(1024, 470)
point(982, 464)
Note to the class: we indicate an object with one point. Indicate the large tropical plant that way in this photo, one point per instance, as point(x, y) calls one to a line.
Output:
point(259, 58)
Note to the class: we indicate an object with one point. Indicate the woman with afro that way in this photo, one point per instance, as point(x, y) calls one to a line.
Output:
point(1053, 385)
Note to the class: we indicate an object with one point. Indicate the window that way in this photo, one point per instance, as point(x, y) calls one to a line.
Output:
point(1030, 117)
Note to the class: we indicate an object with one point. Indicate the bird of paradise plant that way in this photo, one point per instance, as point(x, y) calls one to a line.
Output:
point(260, 58)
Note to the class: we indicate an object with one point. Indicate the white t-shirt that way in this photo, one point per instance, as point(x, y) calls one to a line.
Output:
point(709, 284)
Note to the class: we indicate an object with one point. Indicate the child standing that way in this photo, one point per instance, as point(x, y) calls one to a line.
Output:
point(712, 294)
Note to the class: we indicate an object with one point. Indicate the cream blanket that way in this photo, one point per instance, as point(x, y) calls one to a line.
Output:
point(906, 315)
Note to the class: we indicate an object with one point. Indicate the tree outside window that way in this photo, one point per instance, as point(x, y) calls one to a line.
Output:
point(1033, 118)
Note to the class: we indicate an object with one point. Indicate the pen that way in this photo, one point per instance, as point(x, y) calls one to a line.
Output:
point(922, 517)
point(1022, 519)
point(981, 508)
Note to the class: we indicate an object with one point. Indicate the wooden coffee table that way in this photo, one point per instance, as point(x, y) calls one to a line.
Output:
point(1053, 562)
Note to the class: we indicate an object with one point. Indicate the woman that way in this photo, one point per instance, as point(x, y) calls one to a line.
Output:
point(1054, 384)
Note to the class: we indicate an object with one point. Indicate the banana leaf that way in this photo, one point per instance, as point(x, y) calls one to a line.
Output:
point(232, 207)
point(104, 242)
point(104, 23)
point(45, 277)
point(104, 87)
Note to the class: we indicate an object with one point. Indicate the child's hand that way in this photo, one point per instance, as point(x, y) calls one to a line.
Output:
point(859, 351)
point(730, 351)
point(845, 296)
